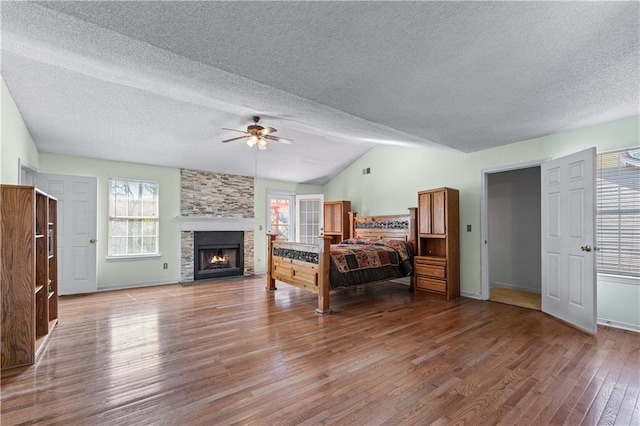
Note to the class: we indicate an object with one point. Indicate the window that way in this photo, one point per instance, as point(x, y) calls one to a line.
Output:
point(294, 217)
point(133, 218)
point(309, 218)
point(618, 213)
point(281, 207)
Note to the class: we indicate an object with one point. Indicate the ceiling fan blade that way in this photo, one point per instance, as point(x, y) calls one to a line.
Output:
point(235, 139)
point(234, 130)
point(267, 130)
point(279, 139)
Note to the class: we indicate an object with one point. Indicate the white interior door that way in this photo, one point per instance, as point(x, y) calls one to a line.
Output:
point(310, 218)
point(568, 239)
point(77, 230)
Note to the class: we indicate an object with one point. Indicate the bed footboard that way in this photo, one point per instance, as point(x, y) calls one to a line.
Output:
point(302, 265)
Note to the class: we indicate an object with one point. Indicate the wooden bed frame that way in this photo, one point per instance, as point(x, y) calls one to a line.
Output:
point(309, 269)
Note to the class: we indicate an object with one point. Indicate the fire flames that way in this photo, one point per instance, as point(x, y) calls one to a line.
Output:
point(219, 259)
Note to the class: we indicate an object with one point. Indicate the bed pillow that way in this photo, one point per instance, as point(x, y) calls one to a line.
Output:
point(359, 241)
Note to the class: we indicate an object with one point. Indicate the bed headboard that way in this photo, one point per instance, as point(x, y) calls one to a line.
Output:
point(400, 227)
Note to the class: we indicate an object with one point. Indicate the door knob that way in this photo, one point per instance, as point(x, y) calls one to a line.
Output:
point(585, 248)
point(92, 241)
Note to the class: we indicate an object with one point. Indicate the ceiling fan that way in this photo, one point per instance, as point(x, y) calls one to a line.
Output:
point(258, 135)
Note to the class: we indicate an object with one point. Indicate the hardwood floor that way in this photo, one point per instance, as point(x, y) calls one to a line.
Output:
point(232, 353)
point(516, 297)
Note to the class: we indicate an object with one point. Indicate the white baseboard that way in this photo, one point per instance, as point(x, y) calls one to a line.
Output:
point(618, 324)
point(135, 285)
point(471, 295)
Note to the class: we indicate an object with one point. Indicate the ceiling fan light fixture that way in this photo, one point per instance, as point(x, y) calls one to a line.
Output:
point(262, 144)
point(258, 135)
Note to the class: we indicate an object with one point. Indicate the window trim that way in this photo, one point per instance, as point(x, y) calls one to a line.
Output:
point(133, 256)
point(622, 279)
point(618, 275)
point(274, 193)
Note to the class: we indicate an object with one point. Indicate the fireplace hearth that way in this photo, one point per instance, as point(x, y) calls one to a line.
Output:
point(218, 254)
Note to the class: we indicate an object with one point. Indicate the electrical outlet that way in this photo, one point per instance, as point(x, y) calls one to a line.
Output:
point(468, 228)
point(260, 228)
point(165, 266)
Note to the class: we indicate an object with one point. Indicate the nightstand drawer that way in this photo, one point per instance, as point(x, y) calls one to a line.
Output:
point(430, 284)
point(431, 266)
point(431, 269)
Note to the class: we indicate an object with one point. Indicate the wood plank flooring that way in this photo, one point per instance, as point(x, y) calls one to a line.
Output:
point(233, 353)
point(517, 298)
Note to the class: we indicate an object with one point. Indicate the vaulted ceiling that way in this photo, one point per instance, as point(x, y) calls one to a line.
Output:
point(155, 82)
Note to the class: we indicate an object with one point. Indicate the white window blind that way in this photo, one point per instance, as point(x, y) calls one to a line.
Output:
point(133, 218)
point(618, 213)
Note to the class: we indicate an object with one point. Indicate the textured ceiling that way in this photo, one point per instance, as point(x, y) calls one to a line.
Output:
point(155, 82)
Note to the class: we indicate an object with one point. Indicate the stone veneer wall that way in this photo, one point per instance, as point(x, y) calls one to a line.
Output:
point(215, 195)
point(249, 263)
point(186, 256)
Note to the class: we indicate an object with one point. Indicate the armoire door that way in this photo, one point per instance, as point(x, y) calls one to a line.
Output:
point(432, 220)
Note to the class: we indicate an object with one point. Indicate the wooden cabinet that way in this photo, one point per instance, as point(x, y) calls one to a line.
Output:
point(431, 208)
point(336, 220)
point(437, 264)
point(28, 262)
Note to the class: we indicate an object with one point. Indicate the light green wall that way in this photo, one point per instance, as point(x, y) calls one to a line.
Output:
point(127, 273)
point(397, 174)
point(262, 186)
point(619, 303)
point(15, 139)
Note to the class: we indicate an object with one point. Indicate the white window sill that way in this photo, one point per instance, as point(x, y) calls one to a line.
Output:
point(623, 279)
point(133, 257)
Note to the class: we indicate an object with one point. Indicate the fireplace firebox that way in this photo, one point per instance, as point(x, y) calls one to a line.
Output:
point(218, 254)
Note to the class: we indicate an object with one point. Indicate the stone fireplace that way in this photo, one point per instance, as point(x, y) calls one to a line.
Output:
point(217, 222)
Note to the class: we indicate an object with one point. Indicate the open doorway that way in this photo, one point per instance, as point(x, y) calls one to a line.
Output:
point(565, 230)
point(26, 173)
point(512, 236)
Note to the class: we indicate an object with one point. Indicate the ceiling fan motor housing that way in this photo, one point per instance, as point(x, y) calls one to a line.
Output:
point(254, 129)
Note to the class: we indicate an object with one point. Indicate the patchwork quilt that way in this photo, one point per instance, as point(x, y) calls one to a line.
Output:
point(357, 261)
